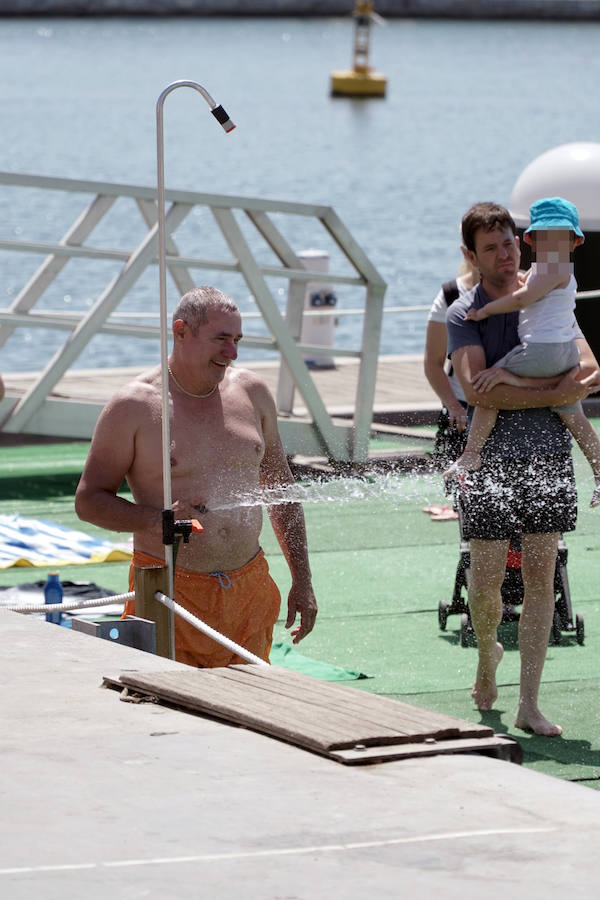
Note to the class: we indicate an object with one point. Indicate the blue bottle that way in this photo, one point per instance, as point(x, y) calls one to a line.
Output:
point(53, 593)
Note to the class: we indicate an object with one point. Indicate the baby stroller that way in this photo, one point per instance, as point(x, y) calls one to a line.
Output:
point(512, 594)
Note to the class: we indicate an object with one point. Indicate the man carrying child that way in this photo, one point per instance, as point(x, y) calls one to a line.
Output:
point(525, 484)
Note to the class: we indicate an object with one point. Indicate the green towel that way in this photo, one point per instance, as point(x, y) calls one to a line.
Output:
point(284, 655)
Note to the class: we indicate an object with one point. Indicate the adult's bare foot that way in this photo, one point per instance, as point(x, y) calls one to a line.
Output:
point(485, 691)
point(533, 720)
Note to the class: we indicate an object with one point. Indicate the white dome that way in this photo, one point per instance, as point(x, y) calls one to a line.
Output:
point(571, 171)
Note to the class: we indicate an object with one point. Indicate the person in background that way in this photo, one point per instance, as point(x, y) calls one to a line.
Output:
point(526, 483)
point(435, 359)
point(2, 389)
point(225, 446)
point(450, 436)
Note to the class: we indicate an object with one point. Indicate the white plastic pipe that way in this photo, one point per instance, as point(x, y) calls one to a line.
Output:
point(227, 125)
point(211, 632)
point(70, 605)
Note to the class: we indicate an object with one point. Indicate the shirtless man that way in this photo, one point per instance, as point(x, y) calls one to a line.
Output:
point(224, 444)
point(526, 484)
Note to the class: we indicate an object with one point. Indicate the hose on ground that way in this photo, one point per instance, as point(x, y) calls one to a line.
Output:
point(70, 605)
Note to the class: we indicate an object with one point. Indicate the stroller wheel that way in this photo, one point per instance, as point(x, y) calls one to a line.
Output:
point(443, 614)
point(466, 631)
point(556, 630)
point(579, 632)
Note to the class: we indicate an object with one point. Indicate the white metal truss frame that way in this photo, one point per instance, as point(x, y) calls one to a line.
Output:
point(36, 411)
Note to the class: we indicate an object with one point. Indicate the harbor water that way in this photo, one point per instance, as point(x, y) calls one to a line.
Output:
point(469, 105)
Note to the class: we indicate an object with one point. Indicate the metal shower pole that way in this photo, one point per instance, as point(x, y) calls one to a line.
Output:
point(224, 120)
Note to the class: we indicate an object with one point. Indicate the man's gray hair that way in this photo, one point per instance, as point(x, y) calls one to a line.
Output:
point(194, 306)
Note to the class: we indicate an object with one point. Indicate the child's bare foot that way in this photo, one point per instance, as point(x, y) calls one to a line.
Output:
point(533, 720)
point(595, 501)
point(468, 462)
point(485, 691)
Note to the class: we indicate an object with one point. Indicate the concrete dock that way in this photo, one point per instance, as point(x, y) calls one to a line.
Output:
point(103, 798)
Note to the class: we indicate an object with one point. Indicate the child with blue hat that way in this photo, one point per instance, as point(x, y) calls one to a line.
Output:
point(547, 327)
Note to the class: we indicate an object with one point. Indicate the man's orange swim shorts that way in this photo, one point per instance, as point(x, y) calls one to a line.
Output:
point(243, 605)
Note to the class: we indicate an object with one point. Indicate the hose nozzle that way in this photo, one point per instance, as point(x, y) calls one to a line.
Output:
point(223, 118)
point(178, 528)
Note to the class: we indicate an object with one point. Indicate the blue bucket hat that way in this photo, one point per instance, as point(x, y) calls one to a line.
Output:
point(554, 213)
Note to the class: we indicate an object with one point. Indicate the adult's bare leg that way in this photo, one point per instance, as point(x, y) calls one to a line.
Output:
point(488, 566)
point(537, 567)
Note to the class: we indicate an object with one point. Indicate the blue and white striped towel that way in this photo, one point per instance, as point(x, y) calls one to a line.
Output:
point(36, 542)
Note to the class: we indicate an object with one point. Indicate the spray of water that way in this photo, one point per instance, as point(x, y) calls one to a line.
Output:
point(385, 486)
point(393, 489)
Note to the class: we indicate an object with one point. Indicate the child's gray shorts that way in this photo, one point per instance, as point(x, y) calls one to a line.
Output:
point(537, 360)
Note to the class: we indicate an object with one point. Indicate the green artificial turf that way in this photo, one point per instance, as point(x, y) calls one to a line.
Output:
point(380, 568)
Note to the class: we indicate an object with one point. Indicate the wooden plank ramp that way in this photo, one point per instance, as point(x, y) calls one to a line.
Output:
point(342, 723)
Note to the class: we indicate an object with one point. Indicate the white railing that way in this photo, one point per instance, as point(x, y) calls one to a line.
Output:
point(37, 412)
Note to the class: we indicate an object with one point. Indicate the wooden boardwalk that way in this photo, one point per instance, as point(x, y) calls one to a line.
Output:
point(402, 391)
point(403, 397)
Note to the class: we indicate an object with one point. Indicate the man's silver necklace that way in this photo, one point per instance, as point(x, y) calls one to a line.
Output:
point(189, 393)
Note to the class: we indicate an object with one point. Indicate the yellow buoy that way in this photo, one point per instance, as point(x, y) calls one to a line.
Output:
point(361, 80)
